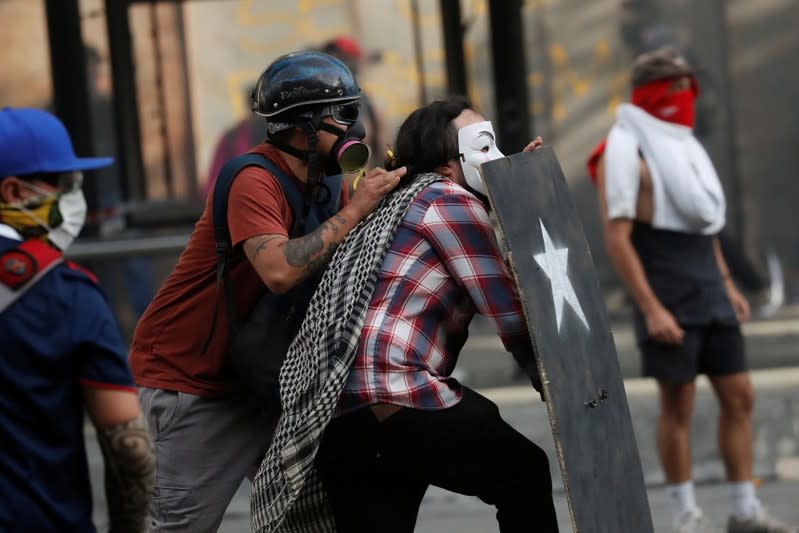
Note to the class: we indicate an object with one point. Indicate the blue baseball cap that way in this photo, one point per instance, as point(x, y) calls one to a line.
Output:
point(35, 141)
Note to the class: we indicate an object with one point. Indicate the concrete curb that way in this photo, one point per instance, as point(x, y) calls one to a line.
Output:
point(624, 336)
point(775, 424)
point(762, 380)
point(484, 363)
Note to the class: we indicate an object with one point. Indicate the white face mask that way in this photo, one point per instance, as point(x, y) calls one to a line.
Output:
point(477, 145)
point(72, 206)
point(72, 210)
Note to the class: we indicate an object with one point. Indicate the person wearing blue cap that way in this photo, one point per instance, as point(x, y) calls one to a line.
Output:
point(62, 353)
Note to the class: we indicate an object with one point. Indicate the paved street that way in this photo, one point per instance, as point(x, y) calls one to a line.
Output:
point(446, 513)
point(771, 343)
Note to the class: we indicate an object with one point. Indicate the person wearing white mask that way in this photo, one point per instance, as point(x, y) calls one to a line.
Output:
point(477, 145)
point(61, 348)
point(403, 422)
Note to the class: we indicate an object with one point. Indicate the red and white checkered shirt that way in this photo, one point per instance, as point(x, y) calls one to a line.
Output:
point(443, 266)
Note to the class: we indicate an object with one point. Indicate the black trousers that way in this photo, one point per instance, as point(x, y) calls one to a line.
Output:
point(376, 473)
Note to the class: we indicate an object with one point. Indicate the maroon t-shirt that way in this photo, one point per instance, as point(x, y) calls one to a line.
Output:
point(167, 345)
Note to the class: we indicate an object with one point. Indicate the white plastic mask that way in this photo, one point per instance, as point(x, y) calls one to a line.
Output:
point(477, 145)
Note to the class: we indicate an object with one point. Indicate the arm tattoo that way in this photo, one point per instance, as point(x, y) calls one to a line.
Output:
point(338, 218)
point(261, 244)
point(319, 262)
point(309, 250)
point(129, 457)
point(299, 251)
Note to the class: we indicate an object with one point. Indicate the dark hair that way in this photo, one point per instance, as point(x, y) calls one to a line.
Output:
point(428, 139)
point(659, 64)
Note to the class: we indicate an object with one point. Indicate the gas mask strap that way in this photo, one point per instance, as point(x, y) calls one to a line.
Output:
point(324, 126)
point(308, 125)
point(318, 192)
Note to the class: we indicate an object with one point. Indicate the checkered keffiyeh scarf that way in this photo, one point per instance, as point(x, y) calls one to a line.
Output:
point(287, 494)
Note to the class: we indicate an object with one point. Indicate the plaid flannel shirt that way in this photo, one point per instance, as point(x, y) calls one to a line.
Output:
point(443, 265)
point(287, 495)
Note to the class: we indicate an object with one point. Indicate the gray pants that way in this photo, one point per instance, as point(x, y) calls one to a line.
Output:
point(204, 448)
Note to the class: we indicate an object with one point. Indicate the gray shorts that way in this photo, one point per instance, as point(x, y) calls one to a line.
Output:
point(204, 448)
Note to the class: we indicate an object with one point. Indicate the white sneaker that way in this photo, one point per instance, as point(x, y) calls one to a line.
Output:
point(690, 522)
point(759, 523)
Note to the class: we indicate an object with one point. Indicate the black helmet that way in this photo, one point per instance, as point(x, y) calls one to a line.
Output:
point(300, 79)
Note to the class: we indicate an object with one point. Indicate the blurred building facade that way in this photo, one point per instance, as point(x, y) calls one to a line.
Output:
point(193, 59)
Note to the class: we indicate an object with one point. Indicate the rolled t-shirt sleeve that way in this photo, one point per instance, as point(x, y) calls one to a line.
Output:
point(257, 206)
point(101, 355)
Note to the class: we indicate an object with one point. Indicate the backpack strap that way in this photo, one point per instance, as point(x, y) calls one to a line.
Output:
point(308, 215)
point(297, 203)
point(219, 212)
point(21, 267)
point(333, 204)
point(219, 205)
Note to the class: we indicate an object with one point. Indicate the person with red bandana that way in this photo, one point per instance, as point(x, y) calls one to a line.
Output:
point(662, 207)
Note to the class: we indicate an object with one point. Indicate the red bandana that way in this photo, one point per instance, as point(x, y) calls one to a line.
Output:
point(676, 107)
point(655, 98)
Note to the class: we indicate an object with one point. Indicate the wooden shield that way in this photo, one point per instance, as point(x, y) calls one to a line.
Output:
point(577, 360)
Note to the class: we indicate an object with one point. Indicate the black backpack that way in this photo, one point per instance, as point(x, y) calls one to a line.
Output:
point(259, 343)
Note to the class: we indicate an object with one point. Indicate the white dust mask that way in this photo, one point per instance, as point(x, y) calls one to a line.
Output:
point(67, 216)
point(72, 206)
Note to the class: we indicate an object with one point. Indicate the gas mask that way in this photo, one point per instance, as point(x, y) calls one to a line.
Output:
point(54, 216)
point(477, 145)
point(349, 154)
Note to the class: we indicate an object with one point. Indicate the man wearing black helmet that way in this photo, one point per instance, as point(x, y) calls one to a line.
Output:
point(207, 438)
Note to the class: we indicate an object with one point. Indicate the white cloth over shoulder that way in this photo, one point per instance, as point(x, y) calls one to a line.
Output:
point(687, 194)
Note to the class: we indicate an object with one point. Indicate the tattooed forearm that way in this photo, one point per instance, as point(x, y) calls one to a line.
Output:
point(319, 261)
point(129, 473)
point(336, 218)
point(301, 250)
point(309, 251)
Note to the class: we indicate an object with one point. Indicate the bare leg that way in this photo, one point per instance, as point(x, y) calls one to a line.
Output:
point(674, 430)
point(736, 399)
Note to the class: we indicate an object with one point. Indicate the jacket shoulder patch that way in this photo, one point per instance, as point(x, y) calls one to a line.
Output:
point(20, 264)
point(17, 267)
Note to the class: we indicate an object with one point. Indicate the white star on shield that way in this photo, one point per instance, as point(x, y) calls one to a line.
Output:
point(554, 262)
